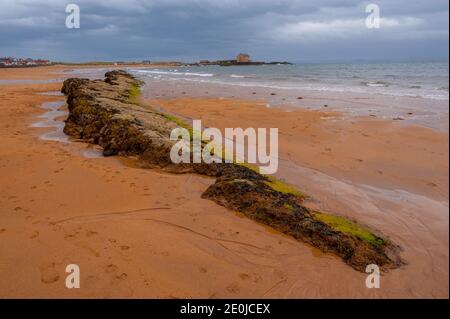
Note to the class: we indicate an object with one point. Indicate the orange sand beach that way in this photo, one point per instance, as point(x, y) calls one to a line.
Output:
point(143, 233)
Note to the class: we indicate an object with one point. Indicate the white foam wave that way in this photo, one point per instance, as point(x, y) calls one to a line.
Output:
point(174, 73)
point(376, 84)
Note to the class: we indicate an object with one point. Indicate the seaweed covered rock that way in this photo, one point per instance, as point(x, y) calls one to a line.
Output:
point(108, 113)
point(284, 212)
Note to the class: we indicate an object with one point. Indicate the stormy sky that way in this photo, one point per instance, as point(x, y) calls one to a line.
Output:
point(189, 30)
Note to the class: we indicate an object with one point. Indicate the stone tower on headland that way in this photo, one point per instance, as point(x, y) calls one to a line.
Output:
point(242, 58)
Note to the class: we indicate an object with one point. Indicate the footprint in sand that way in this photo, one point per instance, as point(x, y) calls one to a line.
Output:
point(244, 276)
point(34, 235)
point(257, 278)
point(90, 233)
point(122, 276)
point(49, 274)
point(111, 268)
point(233, 288)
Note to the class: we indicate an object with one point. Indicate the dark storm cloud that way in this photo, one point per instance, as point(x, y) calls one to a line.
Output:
point(323, 30)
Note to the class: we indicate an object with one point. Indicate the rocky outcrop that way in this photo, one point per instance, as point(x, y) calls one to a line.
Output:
point(108, 113)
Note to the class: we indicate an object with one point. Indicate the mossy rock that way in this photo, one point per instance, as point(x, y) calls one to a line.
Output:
point(109, 113)
point(346, 226)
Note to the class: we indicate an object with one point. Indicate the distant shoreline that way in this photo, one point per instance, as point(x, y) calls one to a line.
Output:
point(156, 63)
point(236, 63)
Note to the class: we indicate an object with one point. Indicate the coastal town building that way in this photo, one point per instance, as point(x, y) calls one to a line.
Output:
point(243, 58)
point(20, 62)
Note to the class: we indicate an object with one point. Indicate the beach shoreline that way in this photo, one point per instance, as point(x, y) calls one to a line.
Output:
point(383, 91)
point(77, 227)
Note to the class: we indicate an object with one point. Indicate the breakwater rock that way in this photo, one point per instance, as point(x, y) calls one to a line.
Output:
point(109, 113)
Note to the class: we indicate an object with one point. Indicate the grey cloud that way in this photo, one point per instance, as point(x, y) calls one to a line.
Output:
point(192, 29)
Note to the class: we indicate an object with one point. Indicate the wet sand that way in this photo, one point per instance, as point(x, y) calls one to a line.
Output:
point(144, 233)
point(363, 150)
point(408, 110)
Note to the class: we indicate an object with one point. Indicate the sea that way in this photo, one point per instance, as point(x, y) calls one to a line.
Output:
point(410, 92)
point(427, 80)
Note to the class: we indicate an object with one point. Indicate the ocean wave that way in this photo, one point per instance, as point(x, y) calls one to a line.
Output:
point(175, 73)
point(299, 82)
point(376, 84)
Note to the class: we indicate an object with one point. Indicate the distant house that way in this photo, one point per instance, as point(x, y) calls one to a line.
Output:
point(242, 58)
point(20, 62)
point(6, 61)
point(42, 62)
